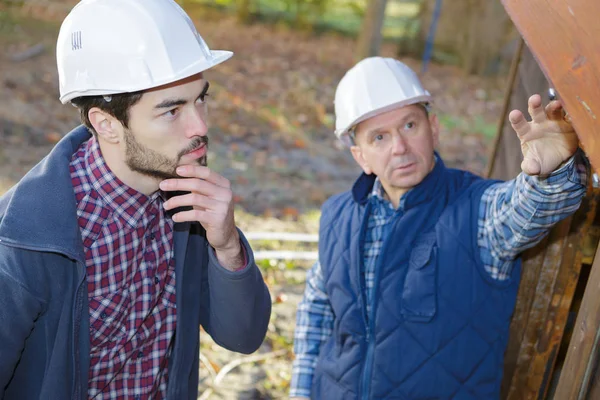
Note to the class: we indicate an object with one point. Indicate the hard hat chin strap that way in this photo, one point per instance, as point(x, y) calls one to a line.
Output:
point(107, 99)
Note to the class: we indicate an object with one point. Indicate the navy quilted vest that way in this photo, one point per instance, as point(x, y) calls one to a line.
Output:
point(439, 324)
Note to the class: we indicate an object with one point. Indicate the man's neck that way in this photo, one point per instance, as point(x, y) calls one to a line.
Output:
point(116, 162)
point(393, 195)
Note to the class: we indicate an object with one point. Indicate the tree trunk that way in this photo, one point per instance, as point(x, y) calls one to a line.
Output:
point(369, 41)
point(475, 34)
point(489, 31)
point(414, 45)
point(242, 11)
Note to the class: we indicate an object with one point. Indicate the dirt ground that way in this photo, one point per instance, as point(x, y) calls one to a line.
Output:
point(271, 115)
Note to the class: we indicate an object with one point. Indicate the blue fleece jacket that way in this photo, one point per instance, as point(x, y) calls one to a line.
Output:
point(44, 315)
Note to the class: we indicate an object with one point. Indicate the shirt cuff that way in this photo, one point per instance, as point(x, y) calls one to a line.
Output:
point(576, 170)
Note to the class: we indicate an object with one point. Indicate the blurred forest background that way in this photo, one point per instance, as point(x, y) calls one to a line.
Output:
point(271, 116)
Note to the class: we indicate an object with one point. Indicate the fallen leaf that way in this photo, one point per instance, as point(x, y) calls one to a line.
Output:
point(299, 144)
point(237, 199)
point(281, 298)
point(290, 212)
point(242, 180)
point(53, 137)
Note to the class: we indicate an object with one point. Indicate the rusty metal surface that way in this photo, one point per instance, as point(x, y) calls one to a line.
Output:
point(563, 35)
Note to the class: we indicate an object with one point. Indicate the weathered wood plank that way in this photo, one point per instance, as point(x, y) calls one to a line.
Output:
point(533, 260)
point(524, 385)
point(561, 298)
point(545, 296)
point(574, 382)
point(593, 392)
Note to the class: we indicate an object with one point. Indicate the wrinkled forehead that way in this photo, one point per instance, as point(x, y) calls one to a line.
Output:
point(392, 118)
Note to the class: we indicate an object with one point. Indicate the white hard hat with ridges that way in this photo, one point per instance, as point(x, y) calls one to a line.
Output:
point(373, 86)
point(115, 46)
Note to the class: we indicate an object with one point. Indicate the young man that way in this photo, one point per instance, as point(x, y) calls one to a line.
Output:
point(419, 265)
point(120, 243)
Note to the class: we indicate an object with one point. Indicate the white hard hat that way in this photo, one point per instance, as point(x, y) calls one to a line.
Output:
point(373, 86)
point(115, 46)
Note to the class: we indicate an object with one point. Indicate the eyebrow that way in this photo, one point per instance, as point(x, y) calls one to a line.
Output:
point(168, 103)
point(404, 119)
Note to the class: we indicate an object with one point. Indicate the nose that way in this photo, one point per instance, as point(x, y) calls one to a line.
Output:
point(197, 124)
point(399, 144)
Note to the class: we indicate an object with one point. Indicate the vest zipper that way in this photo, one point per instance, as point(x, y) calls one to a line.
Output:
point(364, 384)
point(370, 337)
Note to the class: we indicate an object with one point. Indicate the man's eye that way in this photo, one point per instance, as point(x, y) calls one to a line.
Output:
point(204, 94)
point(203, 97)
point(171, 113)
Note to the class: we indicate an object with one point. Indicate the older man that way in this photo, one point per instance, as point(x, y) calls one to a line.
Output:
point(418, 268)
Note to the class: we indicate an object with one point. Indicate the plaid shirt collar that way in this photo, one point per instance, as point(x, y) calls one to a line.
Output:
point(379, 197)
point(128, 204)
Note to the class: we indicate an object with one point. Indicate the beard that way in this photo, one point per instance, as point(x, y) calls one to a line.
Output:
point(140, 158)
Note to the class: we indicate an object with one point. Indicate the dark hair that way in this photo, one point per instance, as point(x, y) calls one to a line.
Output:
point(116, 105)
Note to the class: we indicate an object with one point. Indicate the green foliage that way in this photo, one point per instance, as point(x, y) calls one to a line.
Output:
point(5, 4)
point(449, 122)
point(7, 8)
point(476, 124)
point(275, 270)
point(480, 125)
point(342, 16)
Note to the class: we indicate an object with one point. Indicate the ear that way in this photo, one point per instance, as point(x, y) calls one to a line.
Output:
point(106, 126)
point(434, 122)
point(360, 159)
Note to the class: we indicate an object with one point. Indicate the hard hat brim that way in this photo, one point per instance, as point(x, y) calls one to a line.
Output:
point(217, 57)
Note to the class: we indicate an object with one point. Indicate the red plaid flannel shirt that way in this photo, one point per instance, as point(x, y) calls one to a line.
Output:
point(131, 281)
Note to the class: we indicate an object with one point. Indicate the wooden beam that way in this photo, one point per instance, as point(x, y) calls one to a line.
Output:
point(533, 260)
point(576, 379)
point(550, 276)
point(564, 38)
point(593, 392)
